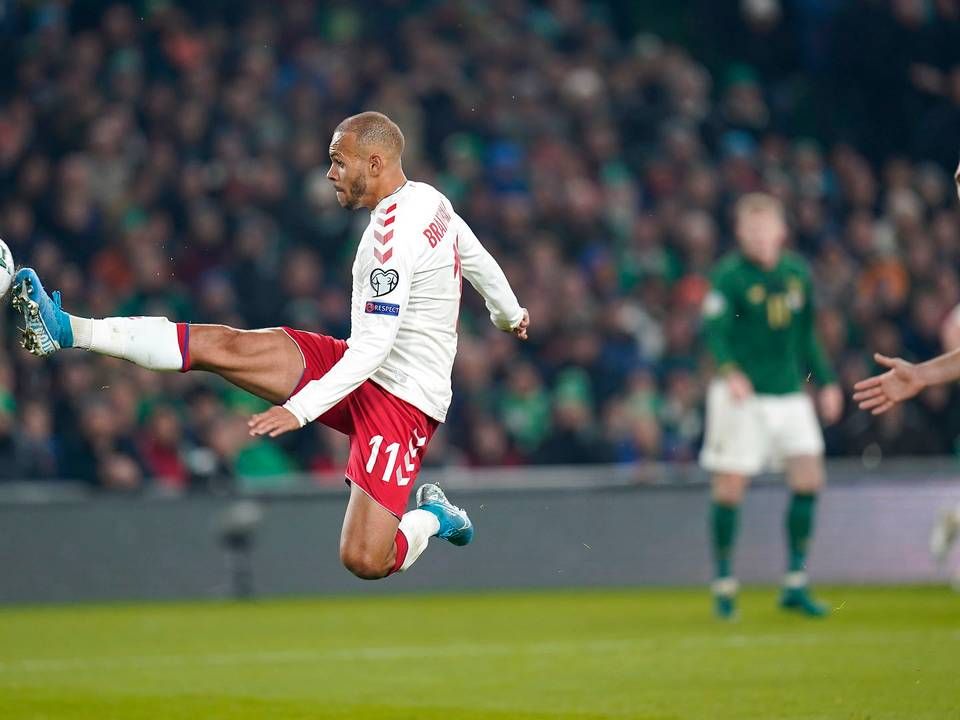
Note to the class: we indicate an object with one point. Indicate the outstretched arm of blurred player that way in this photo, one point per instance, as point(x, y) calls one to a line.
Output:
point(904, 380)
point(487, 278)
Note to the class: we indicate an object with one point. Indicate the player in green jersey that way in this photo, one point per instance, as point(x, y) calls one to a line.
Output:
point(759, 323)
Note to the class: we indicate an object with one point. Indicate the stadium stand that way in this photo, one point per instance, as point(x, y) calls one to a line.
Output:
point(160, 159)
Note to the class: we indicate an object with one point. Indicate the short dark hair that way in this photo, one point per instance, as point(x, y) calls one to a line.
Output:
point(374, 129)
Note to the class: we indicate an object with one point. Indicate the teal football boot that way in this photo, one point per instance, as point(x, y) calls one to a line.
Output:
point(46, 327)
point(800, 601)
point(455, 525)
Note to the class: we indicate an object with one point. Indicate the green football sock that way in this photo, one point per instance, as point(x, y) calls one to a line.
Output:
point(800, 514)
point(723, 531)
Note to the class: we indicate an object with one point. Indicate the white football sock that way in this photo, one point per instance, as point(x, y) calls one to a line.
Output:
point(150, 342)
point(82, 331)
point(418, 526)
point(725, 587)
point(795, 580)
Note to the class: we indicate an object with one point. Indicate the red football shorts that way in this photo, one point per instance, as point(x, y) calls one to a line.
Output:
point(388, 436)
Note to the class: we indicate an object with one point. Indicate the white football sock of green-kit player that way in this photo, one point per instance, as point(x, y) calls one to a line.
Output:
point(418, 526)
point(151, 342)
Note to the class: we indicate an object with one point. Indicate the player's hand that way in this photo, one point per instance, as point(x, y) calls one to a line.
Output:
point(521, 329)
point(740, 386)
point(275, 421)
point(831, 403)
point(881, 392)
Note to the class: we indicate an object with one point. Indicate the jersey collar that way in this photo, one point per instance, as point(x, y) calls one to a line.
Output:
point(387, 197)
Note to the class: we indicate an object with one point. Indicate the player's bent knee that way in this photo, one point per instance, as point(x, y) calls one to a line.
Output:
point(363, 563)
point(729, 489)
point(729, 498)
point(806, 474)
point(809, 486)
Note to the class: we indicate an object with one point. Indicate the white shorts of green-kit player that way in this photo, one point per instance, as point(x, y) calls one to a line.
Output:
point(758, 433)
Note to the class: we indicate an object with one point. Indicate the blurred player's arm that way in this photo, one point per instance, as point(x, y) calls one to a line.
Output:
point(718, 319)
point(486, 276)
point(830, 397)
point(904, 380)
point(370, 342)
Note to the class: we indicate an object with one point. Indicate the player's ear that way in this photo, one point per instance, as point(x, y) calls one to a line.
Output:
point(375, 165)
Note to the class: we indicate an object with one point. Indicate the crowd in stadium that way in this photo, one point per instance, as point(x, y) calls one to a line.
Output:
point(159, 161)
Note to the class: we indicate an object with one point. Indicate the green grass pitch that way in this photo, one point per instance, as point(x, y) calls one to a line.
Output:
point(884, 654)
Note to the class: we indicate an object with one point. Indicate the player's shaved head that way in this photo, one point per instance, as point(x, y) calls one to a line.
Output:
point(365, 161)
point(374, 132)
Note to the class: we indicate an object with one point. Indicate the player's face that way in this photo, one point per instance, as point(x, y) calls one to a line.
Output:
point(347, 171)
point(762, 235)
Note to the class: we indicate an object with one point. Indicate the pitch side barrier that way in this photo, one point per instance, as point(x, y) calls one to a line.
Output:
point(841, 471)
point(536, 528)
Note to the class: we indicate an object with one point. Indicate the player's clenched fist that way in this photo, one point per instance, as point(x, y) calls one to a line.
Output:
point(740, 386)
point(521, 329)
point(275, 421)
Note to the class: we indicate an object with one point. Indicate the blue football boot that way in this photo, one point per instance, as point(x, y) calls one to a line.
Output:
point(799, 600)
point(46, 327)
point(455, 525)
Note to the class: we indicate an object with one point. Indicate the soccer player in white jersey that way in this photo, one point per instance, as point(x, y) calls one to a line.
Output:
point(946, 529)
point(902, 381)
point(387, 386)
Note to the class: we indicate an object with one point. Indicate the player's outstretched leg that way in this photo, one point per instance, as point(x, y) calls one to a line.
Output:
point(374, 543)
point(267, 363)
point(806, 479)
point(728, 490)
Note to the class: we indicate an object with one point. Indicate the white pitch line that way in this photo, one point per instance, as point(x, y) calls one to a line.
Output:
point(399, 652)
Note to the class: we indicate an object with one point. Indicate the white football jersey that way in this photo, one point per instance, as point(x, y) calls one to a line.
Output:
point(407, 281)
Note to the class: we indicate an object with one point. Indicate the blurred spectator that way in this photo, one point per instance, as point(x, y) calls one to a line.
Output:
point(576, 437)
point(37, 451)
point(525, 408)
point(162, 449)
point(490, 446)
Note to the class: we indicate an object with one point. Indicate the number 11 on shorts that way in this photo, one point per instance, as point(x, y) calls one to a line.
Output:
point(392, 449)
